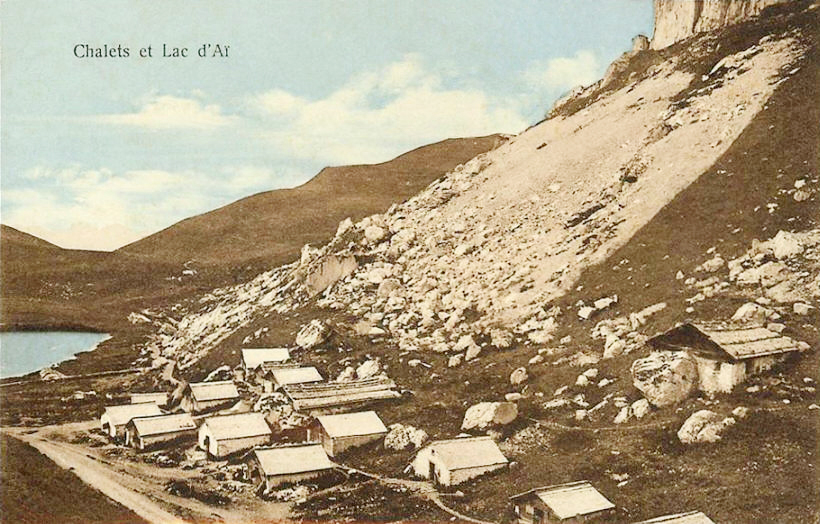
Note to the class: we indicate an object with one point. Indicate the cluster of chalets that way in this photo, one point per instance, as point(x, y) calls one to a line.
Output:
point(215, 415)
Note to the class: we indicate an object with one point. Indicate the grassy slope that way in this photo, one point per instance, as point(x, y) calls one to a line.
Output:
point(270, 228)
point(35, 490)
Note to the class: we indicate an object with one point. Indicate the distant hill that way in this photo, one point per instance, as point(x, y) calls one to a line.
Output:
point(45, 286)
point(270, 228)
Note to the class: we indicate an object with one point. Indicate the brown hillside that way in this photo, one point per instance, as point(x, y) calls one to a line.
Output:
point(270, 228)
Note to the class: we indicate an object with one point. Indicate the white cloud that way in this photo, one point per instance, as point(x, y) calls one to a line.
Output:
point(101, 209)
point(563, 73)
point(380, 114)
point(171, 112)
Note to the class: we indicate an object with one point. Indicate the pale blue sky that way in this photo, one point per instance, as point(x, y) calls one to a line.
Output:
point(97, 152)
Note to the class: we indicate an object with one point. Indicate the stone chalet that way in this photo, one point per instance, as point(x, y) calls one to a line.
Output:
point(114, 418)
point(572, 502)
point(286, 376)
point(292, 464)
point(252, 358)
point(226, 435)
point(338, 433)
point(160, 398)
point(202, 397)
point(160, 430)
point(451, 462)
point(692, 517)
point(726, 353)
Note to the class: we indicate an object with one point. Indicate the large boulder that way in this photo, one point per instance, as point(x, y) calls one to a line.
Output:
point(703, 426)
point(784, 245)
point(388, 287)
point(401, 437)
point(486, 414)
point(328, 271)
point(312, 334)
point(519, 376)
point(665, 377)
point(368, 369)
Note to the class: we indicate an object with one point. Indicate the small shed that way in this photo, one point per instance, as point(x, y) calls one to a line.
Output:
point(726, 353)
point(280, 377)
point(160, 398)
point(275, 466)
point(114, 418)
point(451, 462)
point(226, 435)
point(202, 397)
point(691, 517)
point(572, 502)
point(160, 430)
point(338, 433)
point(252, 358)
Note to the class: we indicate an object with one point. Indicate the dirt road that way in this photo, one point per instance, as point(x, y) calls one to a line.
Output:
point(101, 479)
point(137, 486)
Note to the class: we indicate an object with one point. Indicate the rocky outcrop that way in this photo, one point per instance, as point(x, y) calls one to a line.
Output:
point(402, 437)
point(486, 414)
point(328, 271)
point(704, 426)
point(676, 19)
point(665, 377)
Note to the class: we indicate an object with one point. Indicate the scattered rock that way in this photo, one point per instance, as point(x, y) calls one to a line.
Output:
point(400, 437)
point(740, 412)
point(703, 426)
point(374, 234)
point(711, 265)
point(455, 360)
point(501, 338)
point(800, 308)
point(486, 414)
point(368, 369)
point(753, 312)
point(513, 397)
point(348, 375)
point(313, 334)
point(582, 381)
point(519, 376)
point(622, 416)
point(537, 359)
point(640, 408)
point(776, 327)
point(665, 377)
point(585, 312)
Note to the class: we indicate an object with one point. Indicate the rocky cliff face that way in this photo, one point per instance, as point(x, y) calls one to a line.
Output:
point(677, 19)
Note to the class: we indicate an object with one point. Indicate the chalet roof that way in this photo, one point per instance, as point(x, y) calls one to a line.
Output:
point(742, 341)
point(121, 415)
point(571, 499)
point(252, 358)
point(160, 397)
point(242, 425)
point(692, 517)
point(284, 460)
point(221, 390)
point(352, 424)
point(334, 394)
point(468, 452)
point(296, 375)
point(161, 424)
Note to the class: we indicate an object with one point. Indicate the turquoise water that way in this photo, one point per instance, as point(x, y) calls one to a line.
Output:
point(22, 352)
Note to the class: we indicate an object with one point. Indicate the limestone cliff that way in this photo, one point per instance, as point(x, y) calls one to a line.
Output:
point(679, 19)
